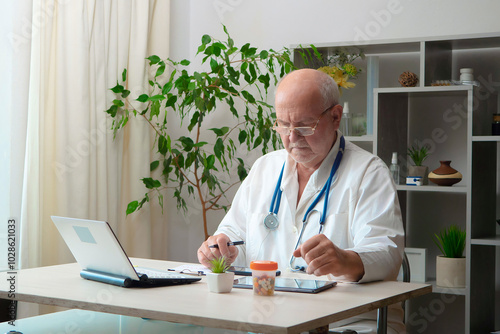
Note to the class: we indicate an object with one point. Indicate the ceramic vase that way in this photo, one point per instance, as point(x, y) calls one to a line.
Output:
point(445, 175)
point(450, 272)
point(421, 171)
point(220, 283)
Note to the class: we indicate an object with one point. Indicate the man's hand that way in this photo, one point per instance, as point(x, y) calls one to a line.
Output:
point(205, 253)
point(323, 257)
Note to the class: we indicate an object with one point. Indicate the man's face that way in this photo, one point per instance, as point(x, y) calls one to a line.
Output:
point(302, 105)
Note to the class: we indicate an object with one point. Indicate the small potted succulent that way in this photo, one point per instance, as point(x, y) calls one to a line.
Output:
point(418, 153)
point(450, 267)
point(220, 280)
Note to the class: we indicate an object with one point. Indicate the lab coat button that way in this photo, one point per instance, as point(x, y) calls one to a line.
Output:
point(295, 230)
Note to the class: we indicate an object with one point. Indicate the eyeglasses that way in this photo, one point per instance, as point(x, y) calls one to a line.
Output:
point(300, 130)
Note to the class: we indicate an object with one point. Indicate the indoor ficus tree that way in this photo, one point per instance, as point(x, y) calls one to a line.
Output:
point(239, 78)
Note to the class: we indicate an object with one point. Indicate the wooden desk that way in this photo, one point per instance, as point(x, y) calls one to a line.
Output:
point(285, 312)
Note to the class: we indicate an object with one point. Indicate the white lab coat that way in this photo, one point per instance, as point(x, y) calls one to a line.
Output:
point(363, 213)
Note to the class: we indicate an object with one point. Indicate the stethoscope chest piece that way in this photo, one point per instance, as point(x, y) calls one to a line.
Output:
point(271, 221)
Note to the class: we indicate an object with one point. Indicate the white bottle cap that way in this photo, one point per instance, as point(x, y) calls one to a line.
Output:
point(346, 108)
point(394, 160)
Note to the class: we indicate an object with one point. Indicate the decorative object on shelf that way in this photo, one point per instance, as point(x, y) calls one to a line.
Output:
point(441, 83)
point(466, 78)
point(346, 121)
point(450, 267)
point(417, 258)
point(199, 162)
point(466, 74)
point(418, 153)
point(220, 280)
point(394, 167)
point(495, 125)
point(340, 65)
point(414, 180)
point(445, 175)
point(358, 125)
point(408, 79)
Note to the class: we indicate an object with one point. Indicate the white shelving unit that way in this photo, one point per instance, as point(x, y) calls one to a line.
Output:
point(455, 121)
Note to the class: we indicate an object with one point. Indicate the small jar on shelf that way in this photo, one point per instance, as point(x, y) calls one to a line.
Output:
point(495, 126)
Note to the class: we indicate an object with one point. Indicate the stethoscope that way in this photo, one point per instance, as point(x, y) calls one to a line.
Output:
point(271, 221)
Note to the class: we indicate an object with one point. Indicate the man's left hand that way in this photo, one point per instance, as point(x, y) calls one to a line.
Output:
point(324, 257)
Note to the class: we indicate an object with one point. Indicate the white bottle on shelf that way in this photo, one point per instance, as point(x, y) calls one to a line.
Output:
point(345, 127)
point(394, 168)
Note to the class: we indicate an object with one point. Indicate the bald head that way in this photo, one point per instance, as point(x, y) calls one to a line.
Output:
point(309, 83)
point(308, 98)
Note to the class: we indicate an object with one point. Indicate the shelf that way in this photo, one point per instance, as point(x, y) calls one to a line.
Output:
point(359, 138)
point(451, 291)
point(452, 189)
point(426, 89)
point(489, 241)
point(485, 138)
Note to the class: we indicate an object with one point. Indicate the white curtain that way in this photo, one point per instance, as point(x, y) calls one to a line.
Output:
point(72, 166)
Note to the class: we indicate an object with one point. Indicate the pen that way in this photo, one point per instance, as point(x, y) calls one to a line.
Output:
point(231, 243)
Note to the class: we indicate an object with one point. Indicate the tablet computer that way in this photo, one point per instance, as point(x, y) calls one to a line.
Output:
point(289, 284)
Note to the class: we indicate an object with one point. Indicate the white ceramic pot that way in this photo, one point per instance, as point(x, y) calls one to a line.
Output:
point(450, 272)
point(220, 283)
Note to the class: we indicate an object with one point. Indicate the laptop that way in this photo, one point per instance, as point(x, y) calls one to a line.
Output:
point(102, 258)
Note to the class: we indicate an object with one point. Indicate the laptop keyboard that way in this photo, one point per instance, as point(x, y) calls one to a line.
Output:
point(152, 273)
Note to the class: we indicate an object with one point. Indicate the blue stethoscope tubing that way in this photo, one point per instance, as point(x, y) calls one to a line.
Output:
point(271, 221)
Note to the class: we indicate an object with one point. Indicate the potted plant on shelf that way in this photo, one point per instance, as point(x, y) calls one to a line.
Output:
point(450, 267)
point(220, 280)
point(418, 153)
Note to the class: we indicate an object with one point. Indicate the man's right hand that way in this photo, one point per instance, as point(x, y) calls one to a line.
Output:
point(206, 254)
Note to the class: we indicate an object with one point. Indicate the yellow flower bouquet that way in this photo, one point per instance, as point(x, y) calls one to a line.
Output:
point(340, 67)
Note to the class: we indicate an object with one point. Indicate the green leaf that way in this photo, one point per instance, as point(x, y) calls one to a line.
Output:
point(163, 145)
point(151, 183)
point(210, 161)
point(214, 65)
point(242, 172)
point(132, 206)
point(263, 54)
point(112, 110)
point(167, 88)
point(257, 142)
point(206, 39)
point(316, 52)
point(143, 98)
point(125, 93)
point(200, 144)
point(185, 62)
point(154, 165)
point(220, 131)
point(158, 97)
point(155, 109)
point(248, 96)
point(242, 136)
point(171, 101)
point(160, 70)
point(118, 103)
point(124, 75)
point(219, 148)
point(117, 89)
point(194, 121)
point(187, 143)
point(153, 60)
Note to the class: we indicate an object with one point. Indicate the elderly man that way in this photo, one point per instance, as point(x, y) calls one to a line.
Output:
point(322, 205)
